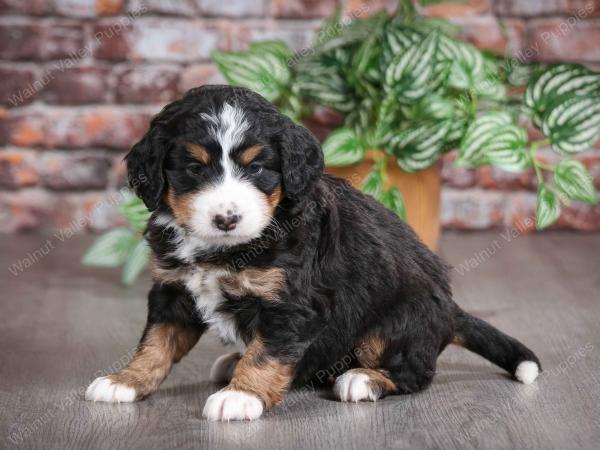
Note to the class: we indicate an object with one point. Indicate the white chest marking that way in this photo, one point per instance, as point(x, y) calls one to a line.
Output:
point(204, 286)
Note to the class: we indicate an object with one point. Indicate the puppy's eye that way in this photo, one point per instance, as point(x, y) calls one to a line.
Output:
point(194, 170)
point(254, 168)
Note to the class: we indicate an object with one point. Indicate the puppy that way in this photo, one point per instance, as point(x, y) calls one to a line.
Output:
point(251, 239)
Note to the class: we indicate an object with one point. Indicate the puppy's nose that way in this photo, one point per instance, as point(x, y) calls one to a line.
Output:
point(227, 222)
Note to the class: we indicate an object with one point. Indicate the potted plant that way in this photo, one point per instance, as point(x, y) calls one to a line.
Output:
point(411, 90)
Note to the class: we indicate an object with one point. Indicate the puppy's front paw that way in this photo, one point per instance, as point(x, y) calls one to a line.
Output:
point(103, 389)
point(228, 404)
point(355, 387)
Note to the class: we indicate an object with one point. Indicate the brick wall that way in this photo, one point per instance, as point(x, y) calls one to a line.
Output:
point(81, 78)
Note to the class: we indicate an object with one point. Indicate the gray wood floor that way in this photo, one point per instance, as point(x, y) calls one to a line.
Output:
point(61, 325)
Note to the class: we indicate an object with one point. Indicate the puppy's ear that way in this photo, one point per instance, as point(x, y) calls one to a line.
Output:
point(145, 164)
point(301, 160)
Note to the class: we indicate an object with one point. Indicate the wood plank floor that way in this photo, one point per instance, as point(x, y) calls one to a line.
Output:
point(61, 325)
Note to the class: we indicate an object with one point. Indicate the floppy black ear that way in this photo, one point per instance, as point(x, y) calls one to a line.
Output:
point(145, 168)
point(301, 160)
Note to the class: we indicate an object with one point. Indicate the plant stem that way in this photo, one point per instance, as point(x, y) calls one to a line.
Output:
point(474, 101)
point(382, 163)
point(535, 161)
point(543, 165)
point(541, 142)
point(537, 164)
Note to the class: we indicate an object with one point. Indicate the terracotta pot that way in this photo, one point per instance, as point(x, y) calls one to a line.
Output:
point(421, 192)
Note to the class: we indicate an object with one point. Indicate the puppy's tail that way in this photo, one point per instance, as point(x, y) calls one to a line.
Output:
point(480, 337)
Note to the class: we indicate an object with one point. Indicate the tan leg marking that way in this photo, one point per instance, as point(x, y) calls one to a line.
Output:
point(262, 375)
point(161, 347)
point(369, 350)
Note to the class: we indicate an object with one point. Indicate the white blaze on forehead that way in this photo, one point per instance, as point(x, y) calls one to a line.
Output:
point(228, 128)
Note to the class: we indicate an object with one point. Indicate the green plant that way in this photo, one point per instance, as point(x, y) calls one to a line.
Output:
point(409, 86)
point(123, 246)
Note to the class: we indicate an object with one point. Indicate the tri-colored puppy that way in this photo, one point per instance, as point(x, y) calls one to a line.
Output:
point(251, 239)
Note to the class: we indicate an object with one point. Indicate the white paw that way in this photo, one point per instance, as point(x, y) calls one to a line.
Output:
point(527, 372)
point(229, 405)
point(354, 387)
point(104, 390)
point(223, 367)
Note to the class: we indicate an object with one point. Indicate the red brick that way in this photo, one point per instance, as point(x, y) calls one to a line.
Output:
point(24, 130)
point(566, 39)
point(537, 8)
point(112, 41)
point(465, 8)
point(109, 7)
point(591, 160)
point(105, 127)
point(163, 39)
point(169, 8)
point(490, 177)
point(17, 169)
point(87, 8)
point(98, 211)
point(582, 8)
point(199, 74)
point(472, 209)
point(581, 216)
point(319, 130)
point(17, 85)
point(67, 171)
point(231, 8)
point(26, 7)
point(302, 9)
point(576, 216)
point(520, 211)
point(327, 116)
point(146, 84)
point(77, 86)
point(176, 40)
point(485, 33)
point(528, 7)
point(27, 209)
point(323, 122)
point(118, 175)
point(298, 36)
point(64, 213)
point(357, 9)
point(40, 41)
point(457, 177)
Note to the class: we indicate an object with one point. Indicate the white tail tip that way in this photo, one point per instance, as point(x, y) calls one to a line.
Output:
point(527, 372)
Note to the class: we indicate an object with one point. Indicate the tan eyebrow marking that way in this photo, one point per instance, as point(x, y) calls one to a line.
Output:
point(198, 151)
point(250, 153)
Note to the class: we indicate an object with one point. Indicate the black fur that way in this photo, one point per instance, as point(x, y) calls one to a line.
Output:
point(352, 267)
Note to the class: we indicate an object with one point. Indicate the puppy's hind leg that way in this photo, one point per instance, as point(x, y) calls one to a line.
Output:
point(161, 346)
point(389, 367)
